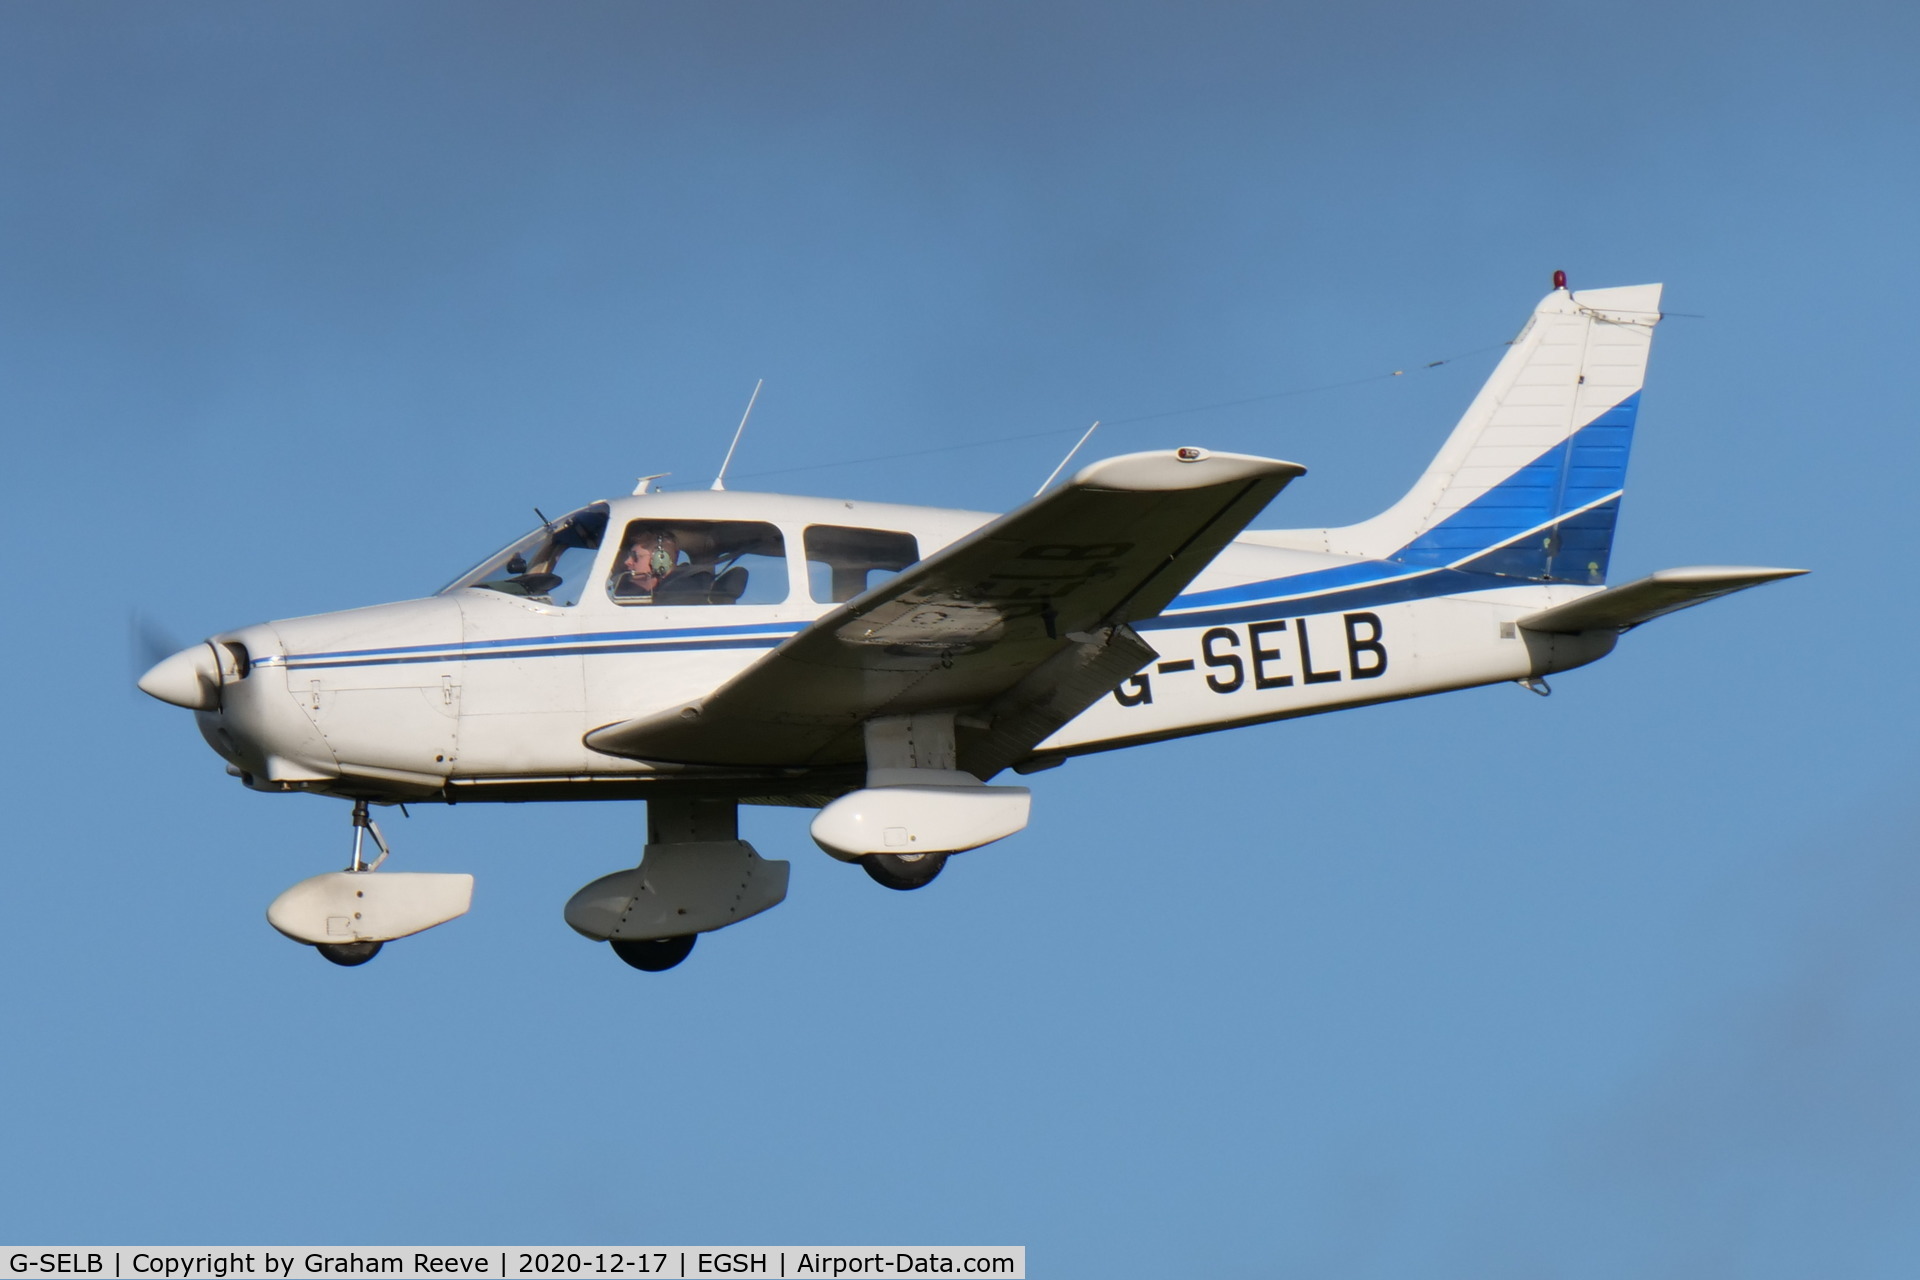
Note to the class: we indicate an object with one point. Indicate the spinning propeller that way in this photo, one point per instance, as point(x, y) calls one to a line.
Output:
point(186, 676)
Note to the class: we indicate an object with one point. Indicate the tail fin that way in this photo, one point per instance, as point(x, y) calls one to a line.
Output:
point(1528, 485)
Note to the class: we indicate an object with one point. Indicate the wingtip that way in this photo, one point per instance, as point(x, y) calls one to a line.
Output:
point(1172, 470)
point(1720, 572)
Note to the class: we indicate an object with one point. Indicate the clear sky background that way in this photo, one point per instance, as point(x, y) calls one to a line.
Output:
point(306, 306)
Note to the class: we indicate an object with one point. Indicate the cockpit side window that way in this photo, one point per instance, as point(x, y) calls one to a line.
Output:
point(699, 562)
point(550, 565)
point(843, 562)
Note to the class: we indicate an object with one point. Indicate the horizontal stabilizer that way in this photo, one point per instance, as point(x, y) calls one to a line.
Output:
point(1669, 590)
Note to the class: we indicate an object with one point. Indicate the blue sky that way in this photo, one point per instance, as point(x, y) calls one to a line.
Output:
point(304, 307)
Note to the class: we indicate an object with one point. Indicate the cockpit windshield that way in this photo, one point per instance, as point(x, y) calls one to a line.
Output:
point(550, 564)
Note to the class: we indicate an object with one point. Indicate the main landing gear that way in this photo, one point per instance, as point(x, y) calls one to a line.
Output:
point(918, 807)
point(348, 915)
point(696, 875)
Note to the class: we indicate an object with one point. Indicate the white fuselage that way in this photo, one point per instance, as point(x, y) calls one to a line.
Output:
point(473, 694)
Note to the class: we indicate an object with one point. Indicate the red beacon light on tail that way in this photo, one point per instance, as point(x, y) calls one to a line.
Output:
point(1559, 279)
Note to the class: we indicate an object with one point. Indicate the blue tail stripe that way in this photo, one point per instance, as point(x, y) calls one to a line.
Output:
point(1422, 584)
point(1582, 469)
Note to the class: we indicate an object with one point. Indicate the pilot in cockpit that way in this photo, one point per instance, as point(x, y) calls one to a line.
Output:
point(651, 569)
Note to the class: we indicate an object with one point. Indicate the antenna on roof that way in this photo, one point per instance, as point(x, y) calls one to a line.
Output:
point(645, 483)
point(719, 481)
point(1069, 458)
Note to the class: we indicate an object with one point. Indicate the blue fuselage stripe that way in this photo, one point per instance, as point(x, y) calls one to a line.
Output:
point(1345, 587)
point(471, 647)
point(1418, 585)
point(307, 662)
point(1365, 573)
point(1311, 594)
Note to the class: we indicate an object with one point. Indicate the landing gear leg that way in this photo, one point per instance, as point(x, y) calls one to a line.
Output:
point(364, 825)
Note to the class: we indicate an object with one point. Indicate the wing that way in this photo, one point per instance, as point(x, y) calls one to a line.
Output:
point(1018, 627)
point(1668, 590)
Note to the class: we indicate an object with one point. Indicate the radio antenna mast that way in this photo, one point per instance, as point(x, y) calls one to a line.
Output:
point(720, 481)
point(1069, 458)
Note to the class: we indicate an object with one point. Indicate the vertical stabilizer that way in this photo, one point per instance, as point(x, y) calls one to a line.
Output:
point(1529, 483)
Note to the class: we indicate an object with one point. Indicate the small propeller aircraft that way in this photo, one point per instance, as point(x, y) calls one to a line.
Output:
point(703, 650)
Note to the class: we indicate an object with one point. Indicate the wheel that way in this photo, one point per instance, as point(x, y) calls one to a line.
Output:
point(348, 953)
point(654, 955)
point(904, 870)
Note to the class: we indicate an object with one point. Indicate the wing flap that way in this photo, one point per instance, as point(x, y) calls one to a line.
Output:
point(1048, 586)
point(1048, 696)
point(1667, 591)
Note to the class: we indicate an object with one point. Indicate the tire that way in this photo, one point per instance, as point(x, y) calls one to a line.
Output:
point(654, 955)
point(348, 954)
point(904, 871)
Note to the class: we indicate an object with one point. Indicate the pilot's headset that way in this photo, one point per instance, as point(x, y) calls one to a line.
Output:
point(663, 560)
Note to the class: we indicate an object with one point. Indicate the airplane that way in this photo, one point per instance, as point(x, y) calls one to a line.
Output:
point(705, 649)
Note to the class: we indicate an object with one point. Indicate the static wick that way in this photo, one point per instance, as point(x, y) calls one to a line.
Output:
point(1069, 458)
point(719, 481)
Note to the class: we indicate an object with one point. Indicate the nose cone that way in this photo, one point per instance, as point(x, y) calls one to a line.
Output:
point(190, 679)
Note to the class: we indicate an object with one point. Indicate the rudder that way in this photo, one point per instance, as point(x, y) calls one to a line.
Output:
point(1529, 483)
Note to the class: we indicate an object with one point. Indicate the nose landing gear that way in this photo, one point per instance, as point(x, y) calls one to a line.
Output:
point(347, 915)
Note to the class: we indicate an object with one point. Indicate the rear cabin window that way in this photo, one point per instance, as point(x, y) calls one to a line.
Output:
point(699, 562)
point(843, 562)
